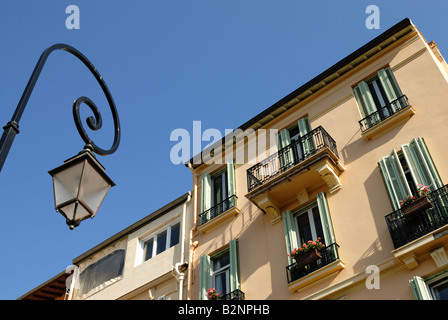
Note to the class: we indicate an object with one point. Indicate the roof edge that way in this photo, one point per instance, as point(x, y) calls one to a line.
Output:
point(152, 216)
point(406, 22)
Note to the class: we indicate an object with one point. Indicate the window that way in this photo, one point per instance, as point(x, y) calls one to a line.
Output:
point(161, 241)
point(378, 98)
point(102, 271)
point(310, 223)
point(175, 234)
point(149, 245)
point(295, 144)
point(220, 271)
point(439, 289)
point(403, 170)
point(434, 288)
point(218, 192)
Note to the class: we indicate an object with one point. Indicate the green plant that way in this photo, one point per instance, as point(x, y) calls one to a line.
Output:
point(423, 190)
point(407, 200)
point(310, 245)
point(212, 294)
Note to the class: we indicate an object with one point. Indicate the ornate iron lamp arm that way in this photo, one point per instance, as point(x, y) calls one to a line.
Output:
point(12, 127)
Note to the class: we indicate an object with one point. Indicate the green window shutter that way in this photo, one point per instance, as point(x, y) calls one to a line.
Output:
point(206, 196)
point(429, 167)
point(304, 126)
point(393, 82)
point(394, 179)
point(365, 100)
point(234, 265)
point(386, 80)
point(362, 107)
point(283, 139)
point(402, 103)
point(419, 289)
point(413, 164)
point(366, 96)
point(420, 163)
point(308, 141)
point(286, 156)
point(204, 276)
point(327, 225)
point(290, 233)
point(231, 183)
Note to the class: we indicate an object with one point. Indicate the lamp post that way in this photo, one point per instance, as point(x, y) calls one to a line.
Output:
point(80, 183)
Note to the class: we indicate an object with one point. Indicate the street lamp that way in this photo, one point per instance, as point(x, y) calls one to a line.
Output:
point(79, 186)
point(80, 183)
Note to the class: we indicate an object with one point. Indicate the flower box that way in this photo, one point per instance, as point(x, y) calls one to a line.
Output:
point(418, 205)
point(308, 257)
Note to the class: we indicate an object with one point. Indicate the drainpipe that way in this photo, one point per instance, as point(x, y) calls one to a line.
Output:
point(74, 279)
point(192, 245)
point(181, 266)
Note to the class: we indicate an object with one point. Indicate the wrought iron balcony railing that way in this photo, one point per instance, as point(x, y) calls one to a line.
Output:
point(404, 228)
point(234, 295)
point(217, 209)
point(286, 158)
point(329, 255)
point(384, 113)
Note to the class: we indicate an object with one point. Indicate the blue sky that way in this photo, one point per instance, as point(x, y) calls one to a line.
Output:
point(167, 64)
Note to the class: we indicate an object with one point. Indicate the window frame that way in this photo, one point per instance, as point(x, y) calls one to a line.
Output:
point(377, 91)
point(154, 237)
point(291, 238)
point(380, 100)
point(206, 281)
point(223, 269)
point(308, 210)
point(421, 168)
point(209, 208)
point(223, 174)
point(423, 288)
point(437, 282)
point(300, 146)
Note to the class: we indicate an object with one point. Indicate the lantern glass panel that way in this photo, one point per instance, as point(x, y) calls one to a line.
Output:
point(75, 212)
point(94, 188)
point(66, 184)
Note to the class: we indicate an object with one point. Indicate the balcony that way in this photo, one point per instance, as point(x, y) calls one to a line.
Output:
point(386, 118)
point(213, 217)
point(234, 295)
point(300, 277)
point(305, 164)
point(404, 230)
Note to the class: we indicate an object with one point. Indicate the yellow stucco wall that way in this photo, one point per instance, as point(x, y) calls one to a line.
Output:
point(359, 207)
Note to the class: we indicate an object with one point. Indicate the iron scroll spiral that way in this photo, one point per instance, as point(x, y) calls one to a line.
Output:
point(95, 122)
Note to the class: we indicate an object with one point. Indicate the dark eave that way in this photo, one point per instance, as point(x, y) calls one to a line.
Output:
point(49, 290)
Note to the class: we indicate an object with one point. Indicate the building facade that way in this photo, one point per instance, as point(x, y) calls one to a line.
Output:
point(145, 261)
point(352, 164)
point(338, 157)
point(148, 260)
